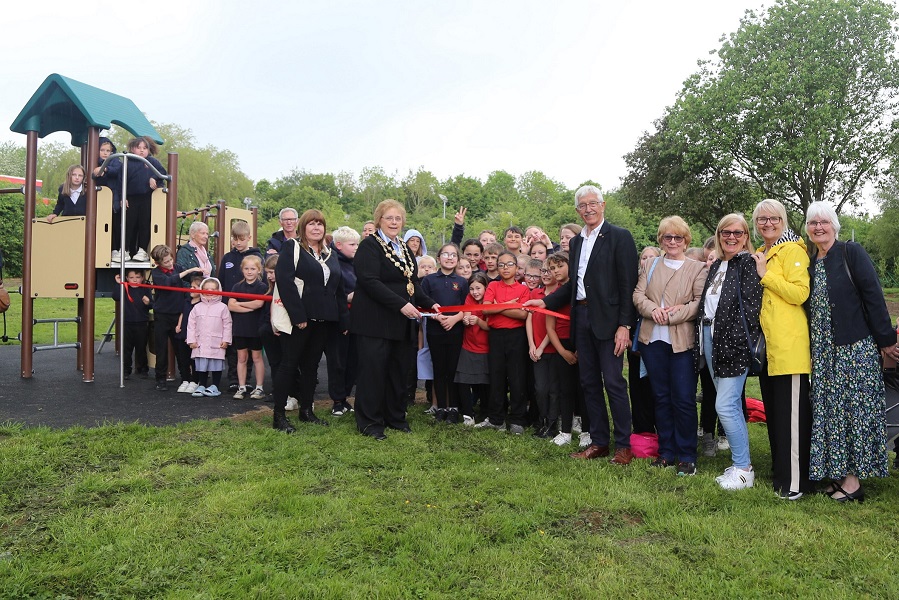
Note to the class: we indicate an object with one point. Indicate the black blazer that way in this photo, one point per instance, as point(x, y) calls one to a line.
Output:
point(65, 207)
point(381, 293)
point(610, 279)
point(848, 302)
point(320, 301)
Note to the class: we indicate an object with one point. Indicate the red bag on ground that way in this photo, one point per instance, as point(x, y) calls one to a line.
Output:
point(645, 445)
point(756, 410)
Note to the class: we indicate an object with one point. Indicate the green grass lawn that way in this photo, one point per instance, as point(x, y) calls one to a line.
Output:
point(236, 509)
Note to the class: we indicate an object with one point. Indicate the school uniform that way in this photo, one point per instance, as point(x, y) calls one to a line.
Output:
point(139, 197)
point(167, 306)
point(71, 205)
point(508, 355)
point(446, 290)
point(137, 324)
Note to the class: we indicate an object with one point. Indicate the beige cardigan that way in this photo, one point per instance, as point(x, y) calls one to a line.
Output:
point(681, 286)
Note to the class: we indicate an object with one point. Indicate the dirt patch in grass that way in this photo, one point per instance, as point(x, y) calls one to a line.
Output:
point(597, 521)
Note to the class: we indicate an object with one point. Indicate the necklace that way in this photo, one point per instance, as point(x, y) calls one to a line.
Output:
point(404, 267)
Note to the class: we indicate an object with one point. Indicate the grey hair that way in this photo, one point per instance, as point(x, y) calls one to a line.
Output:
point(346, 234)
point(284, 210)
point(587, 189)
point(772, 206)
point(823, 210)
point(195, 227)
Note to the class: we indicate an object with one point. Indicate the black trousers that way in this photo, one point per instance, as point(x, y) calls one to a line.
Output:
point(643, 404)
point(302, 350)
point(789, 417)
point(445, 350)
point(135, 342)
point(340, 352)
point(185, 362)
point(163, 331)
point(137, 223)
point(507, 358)
point(380, 386)
point(566, 376)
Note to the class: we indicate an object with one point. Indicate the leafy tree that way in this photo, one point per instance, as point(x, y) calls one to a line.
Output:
point(801, 100)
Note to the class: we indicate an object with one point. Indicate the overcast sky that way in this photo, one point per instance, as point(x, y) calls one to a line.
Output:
point(457, 87)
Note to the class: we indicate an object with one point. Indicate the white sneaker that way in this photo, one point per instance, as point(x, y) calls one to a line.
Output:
point(141, 256)
point(576, 425)
point(199, 392)
point(723, 444)
point(192, 387)
point(291, 403)
point(562, 439)
point(584, 440)
point(212, 391)
point(486, 424)
point(116, 257)
point(258, 393)
point(467, 420)
point(240, 393)
point(183, 387)
point(736, 479)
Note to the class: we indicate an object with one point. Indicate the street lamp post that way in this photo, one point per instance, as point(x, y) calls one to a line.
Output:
point(445, 201)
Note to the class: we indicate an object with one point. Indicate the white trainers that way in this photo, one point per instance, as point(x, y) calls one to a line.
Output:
point(291, 403)
point(183, 387)
point(116, 257)
point(467, 420)
point(240, 393)
point(258, 393)
point(562, 439)
point(576, 425)
point(486, 424)
point(736, 479)
point(212, 391)
point(723, 444)
point(141, 256)
point(199, 392)
point(192, 387)
point(584, 440)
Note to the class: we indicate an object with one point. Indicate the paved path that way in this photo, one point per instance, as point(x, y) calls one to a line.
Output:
point(56, 397)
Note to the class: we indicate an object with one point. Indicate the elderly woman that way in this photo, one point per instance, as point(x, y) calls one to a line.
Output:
point(728, 319)
point(193, 253)
point(310, 285)
point(849, 322)
point(667, 297)
point(383, 318)
point(782, 265)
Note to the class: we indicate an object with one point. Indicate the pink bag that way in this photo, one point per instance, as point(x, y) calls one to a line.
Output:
point(645, 445)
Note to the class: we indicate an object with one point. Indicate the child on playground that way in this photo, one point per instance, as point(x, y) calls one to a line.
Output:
point(473, 371)
point(167, 307)
point(245, 327)
point(445, 331)
point(111, 177)
point(137, 323)
point(139, 194)
point(508, 350)
point(71, 199)
point(189, 382)
point(208, 334)
point(230, 273)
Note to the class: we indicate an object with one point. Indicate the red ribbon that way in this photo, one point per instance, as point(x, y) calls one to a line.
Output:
point(503, 306)
point(185, 290)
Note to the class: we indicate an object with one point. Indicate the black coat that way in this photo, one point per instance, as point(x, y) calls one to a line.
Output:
point(610, 279)
point(730, 347)
point(848, 302)
point(381, 294)
point(320, 301)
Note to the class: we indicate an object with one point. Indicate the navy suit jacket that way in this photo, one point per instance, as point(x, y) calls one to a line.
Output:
point(610, 279)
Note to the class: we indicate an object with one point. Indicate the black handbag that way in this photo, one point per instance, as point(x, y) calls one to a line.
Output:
point(758, 351)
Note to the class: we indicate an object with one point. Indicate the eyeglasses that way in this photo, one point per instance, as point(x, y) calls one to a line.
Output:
point(288, 220)
point(392, 219)
point(544, 271)
point(507, 265)
point(818, 223)
point(673, 238)
point(763, 220)
point(448, 255)
point(594, 205)
point(734, 234)
point(531, 276)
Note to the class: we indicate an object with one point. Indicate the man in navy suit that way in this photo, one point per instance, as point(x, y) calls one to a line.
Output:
point(603, 271)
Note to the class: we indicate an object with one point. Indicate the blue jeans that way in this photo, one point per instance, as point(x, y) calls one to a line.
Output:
point(729, 406)
point(673, 381)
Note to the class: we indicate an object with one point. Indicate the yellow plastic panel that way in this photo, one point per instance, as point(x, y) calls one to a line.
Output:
point(57, 261)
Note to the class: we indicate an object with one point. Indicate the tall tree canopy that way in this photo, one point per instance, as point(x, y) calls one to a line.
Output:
point(801, 100)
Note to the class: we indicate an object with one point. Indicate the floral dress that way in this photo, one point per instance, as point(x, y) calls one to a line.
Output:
point(847, 396)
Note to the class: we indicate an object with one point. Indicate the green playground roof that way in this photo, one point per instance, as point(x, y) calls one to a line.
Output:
point(63, 104)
